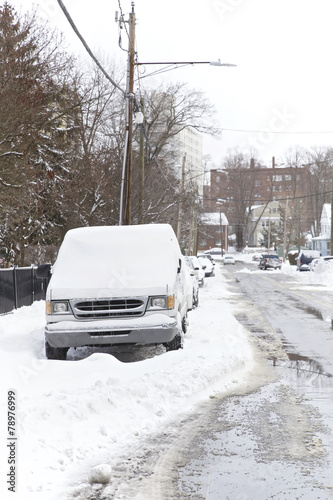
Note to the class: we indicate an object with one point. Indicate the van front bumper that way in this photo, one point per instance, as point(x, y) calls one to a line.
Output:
point(154, 329)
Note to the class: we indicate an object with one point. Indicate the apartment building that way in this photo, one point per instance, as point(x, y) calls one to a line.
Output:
point(260, 185)
point(187, 153)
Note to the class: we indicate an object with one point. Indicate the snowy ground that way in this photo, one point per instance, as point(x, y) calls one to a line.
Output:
point(75, 415)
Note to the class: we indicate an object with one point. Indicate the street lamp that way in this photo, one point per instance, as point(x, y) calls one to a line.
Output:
point(125, 195)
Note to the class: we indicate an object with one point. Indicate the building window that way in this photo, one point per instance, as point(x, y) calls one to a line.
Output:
point(277, 178)
point(287, 177)
point(257, 183)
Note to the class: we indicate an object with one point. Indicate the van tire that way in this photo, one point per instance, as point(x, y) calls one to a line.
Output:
point(184, 323)
point(175, 344)
point(55, 352)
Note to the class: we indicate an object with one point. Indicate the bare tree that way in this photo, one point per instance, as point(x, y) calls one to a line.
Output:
point(168, 110)
point(318, 182)
point(241, 182)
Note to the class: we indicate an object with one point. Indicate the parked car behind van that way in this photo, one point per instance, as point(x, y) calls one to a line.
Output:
point(194, 282)
point(109, 287)
point(305, 258)
point(199, 272)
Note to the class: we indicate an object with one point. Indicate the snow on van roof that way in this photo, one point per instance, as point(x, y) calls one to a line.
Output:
point(116, 257)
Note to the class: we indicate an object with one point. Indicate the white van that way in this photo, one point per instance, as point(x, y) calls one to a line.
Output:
point(114, 285)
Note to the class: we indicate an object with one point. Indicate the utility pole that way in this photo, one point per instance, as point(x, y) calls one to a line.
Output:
point(285, 231)
point(125, 195)
point(196, 230)
point(190, 249)
point(269, 230)
point(332, 216)
point(299, 226)
point(221, 235)
point(142, 164)
point(180, 207)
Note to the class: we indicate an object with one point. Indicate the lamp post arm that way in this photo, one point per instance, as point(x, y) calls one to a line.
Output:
point(211, 63)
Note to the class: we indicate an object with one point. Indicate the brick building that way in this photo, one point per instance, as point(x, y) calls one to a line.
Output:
point(213, 231)
point(262, 184)
point(236, 191)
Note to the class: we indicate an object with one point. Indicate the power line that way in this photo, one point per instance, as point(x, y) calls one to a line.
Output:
point(273, 131)
point(289, 198)
point(71, 22)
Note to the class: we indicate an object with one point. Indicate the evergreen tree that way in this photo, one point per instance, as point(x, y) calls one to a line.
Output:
point(35, 123)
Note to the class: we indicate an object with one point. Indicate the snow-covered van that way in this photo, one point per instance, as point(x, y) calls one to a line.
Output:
point(114, 285)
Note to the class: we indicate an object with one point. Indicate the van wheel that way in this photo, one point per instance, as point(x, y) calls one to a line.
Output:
point(184, 324)
point(55, 352)
point(175, 344)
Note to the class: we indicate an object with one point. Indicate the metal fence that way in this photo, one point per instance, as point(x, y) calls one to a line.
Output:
point(20, 287)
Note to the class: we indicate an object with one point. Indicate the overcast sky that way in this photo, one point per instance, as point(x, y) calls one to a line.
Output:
point(280, 93)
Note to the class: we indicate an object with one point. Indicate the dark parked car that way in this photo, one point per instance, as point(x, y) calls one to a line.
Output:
point(305, 258)
point(269, 261)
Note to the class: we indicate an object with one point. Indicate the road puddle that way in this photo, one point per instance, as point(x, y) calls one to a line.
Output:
point(303, 367)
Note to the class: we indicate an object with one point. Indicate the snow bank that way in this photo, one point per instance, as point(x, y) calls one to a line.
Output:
point(321, 276)
point(76, 415)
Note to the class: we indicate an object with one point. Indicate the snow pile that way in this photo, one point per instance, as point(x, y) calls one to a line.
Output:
point(322, 275)
point(77, 415)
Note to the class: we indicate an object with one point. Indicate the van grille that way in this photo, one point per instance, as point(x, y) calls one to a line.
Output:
point(108, 308)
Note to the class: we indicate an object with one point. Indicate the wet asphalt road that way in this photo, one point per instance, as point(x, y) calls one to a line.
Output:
point(271, 439)
point(275, 440)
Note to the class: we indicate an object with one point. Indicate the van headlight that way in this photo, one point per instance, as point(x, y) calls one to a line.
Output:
point(161, 302)
point(57, 307)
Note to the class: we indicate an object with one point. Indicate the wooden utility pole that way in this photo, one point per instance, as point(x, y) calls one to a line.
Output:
point(285, 232)
point(332, 218)
point(221, 231)
point(190, 249)
point(125, 196)
point(269, 230)
point(142, 164)
point(180, 207)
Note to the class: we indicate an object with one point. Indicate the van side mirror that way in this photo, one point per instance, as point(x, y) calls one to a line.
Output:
point(43, 271)
point(179, 266)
